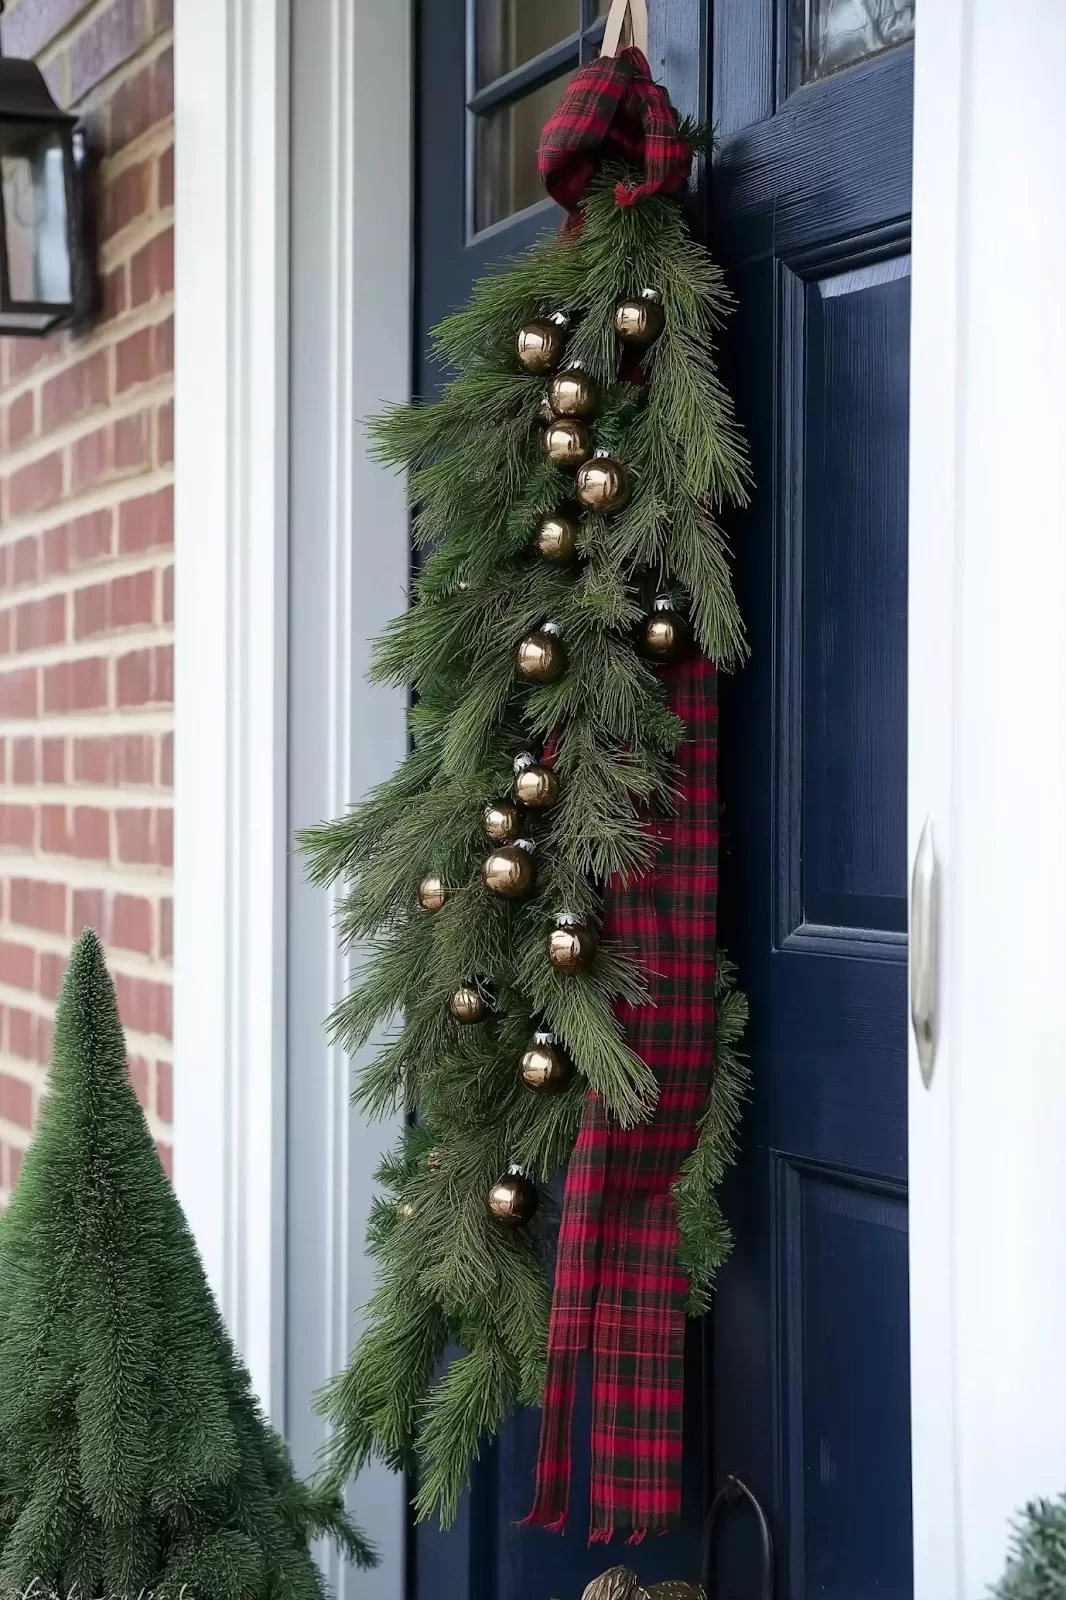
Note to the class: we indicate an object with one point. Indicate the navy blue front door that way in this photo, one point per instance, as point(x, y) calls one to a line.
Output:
point(811, 216)
point(800, 1383)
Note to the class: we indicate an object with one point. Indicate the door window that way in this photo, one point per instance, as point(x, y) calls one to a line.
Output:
point(524, 52)
point(829, 34)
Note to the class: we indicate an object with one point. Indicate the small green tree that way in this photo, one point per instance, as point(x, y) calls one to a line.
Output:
point(1036, 1566)
point(133, 1454)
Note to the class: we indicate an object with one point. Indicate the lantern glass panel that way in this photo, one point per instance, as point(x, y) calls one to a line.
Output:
point(36, 224)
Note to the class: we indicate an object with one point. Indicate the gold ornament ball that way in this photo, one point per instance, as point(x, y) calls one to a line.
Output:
point(431, 893)
point(512, 1200)
point(666, 636)
point(435, 1160)
point(546, 1067)
point(571, 947)
point(468, 1004)
point(509, 872)
point(536, 786)
point(639, 321)
point(540, 345)
point(557, 537)
point(541, 657)
point(567, 443)
point(500, 821)
point(572, 393)
point(603, 485)
point(617, 1583)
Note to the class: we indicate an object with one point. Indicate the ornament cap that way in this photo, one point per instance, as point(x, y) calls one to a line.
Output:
point(522, 761)
point(568, 919)
point(654, 295)
point(528, 845)
point(545, 1036)
point(662, 602)
point(560, 318)
point(550, 627)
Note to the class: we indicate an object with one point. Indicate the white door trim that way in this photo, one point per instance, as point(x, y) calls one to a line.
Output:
point(988, 763)
point(292, 553)
point(349, 570)
point(231, 541)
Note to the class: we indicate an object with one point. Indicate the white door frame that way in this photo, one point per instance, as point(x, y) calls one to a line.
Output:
point(293, 229)
point(987, 713)
point(987, 760)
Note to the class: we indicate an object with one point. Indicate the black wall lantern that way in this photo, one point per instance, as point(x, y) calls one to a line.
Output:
point(48, 275)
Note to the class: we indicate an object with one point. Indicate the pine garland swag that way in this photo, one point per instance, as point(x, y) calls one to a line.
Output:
point(480, 486)
point(134, 1458)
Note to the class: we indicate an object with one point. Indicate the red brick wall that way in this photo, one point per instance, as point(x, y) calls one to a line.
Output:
point(87, 583)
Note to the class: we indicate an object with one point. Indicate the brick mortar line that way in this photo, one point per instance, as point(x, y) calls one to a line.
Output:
point(118, 408)
point(155, 139)
point(131, 719)
point(59, 42)
point(159, 558)
point(80, 873)
point(122, 962)
point(110, 496)
point(105, 336)
point(144, 797)
point(110, 646)
point(123, 245)
point(118, 564)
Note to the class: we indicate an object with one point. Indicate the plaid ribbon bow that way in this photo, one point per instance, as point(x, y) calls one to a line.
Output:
point(619, 1288)
point(613, 108)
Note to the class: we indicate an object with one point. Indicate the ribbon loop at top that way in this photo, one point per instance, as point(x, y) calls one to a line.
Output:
point(613, 110)
point(637, 12)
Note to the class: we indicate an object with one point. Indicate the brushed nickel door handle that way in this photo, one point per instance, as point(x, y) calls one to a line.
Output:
point(923, 951)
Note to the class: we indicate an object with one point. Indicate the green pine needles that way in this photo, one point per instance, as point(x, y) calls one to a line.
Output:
point(479, 484)
point(133, 1455)
point(1036, 1566)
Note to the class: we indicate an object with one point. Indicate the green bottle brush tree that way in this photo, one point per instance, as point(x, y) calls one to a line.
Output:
point(133, 1454)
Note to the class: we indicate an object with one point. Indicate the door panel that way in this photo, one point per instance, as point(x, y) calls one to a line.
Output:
point(841, 1271)
point(852, 457)
point(810, 1391)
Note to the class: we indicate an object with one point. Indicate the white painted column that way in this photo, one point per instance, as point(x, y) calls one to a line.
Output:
point(231, 543)
point(988, 761)
point(351, 354)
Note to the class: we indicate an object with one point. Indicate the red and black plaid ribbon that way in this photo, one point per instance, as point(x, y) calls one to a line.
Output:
point(619, 1288)
point(613, 109)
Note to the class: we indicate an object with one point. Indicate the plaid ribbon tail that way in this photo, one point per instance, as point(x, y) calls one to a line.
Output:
point(576, 1273)
point(619, 1286)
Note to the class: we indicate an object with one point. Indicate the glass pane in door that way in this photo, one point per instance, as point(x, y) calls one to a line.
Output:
point(506, 179)
point(836, 33)
point(511, 32)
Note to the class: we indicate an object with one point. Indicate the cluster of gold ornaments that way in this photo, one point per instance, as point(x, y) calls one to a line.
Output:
point(601, 485)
